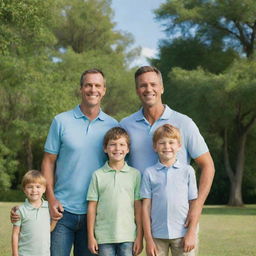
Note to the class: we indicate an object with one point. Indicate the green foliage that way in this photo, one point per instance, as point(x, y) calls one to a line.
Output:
point(231, 23)
point(87, 25)
point(217, 103)
point(34, 88)
point(7, 166)
point(12, 196)
point(24, 26)
point(190, 54)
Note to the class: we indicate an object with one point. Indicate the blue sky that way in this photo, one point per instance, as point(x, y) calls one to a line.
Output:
point(137, 17)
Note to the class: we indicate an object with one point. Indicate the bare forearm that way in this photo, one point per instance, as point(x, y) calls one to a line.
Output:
point(47, 169)
point(91, 216)
point(138, 217)
point(15, 241)
point(206, 166)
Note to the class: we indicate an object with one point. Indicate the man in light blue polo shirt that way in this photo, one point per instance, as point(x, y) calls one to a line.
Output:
point(73, 151)
point(142, 124)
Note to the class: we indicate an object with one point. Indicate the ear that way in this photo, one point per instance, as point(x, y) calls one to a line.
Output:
point(104, 91)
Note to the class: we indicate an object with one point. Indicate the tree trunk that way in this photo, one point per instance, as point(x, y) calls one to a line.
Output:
point(29, 154)
point(235, 194)
point(236, 176)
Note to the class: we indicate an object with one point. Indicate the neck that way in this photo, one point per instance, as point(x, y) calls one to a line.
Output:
point(116, 165)
point(152, 114)
point(168, 162)
point(90, 111)
point(37, 203)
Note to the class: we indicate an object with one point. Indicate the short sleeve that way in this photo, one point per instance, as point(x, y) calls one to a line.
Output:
point(196, 144)
point(18, 223)
point(53, 141)
point(93, 192)
point(145, 190)
point(137, 186)
point(192, 186)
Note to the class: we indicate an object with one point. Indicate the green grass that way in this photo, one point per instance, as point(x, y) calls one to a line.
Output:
point(224, 231)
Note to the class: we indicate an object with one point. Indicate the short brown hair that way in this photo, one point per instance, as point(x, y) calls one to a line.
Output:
point(168, 131)
point(33, 176)
point(116, 133)
point(145, 69)
point(92, 71)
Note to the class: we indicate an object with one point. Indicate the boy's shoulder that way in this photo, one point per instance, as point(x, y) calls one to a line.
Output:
point(177, 165)
point(133, 170)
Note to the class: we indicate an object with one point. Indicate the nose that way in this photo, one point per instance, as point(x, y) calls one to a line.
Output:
point(148, 88)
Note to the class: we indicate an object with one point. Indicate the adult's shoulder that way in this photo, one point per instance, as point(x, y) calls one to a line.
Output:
point(108, 118)
point(183, 121)
point(132, 117)
point(64, 115)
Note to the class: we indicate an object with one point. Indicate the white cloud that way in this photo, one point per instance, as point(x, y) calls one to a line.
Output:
point(141, 60)
point(148, 52)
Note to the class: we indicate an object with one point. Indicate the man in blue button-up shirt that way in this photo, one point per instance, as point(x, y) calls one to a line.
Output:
point(73, 151)
point(142, 124)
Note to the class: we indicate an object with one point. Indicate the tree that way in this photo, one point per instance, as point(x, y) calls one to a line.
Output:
point(230, 22)
point(34, 88)
point(191, 53)
point(229, 115)
point(87, 25)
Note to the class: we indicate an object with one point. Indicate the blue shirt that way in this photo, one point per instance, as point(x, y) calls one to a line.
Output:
point(142, 154)
point(78, 142)
point(170, 189)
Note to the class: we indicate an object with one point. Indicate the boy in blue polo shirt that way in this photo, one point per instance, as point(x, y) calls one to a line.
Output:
point(168, 190)
point(114, 208)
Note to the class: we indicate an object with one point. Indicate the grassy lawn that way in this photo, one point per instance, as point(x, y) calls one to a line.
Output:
point(224, 231)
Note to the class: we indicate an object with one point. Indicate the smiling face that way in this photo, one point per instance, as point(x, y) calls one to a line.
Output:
point(149, 88)
point(34, 192)
point(167, 149)
point(117, 149)
point(92, 90)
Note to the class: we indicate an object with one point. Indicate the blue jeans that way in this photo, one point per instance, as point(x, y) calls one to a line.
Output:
point(70, 230)
point(116, 249)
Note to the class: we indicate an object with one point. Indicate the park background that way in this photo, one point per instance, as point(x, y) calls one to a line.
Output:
point(206, 55)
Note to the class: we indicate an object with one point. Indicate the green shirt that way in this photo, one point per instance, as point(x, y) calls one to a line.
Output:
point(34, 238)
point(115, 192)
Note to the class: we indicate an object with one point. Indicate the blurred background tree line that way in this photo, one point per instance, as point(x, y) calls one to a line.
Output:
point(208, 65)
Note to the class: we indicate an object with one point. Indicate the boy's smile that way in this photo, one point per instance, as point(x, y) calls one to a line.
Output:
point(117, 150)
point(167, 149)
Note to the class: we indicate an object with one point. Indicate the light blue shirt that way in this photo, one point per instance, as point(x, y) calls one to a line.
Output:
point(170, 190)
point(142, 154)
point(78, 142)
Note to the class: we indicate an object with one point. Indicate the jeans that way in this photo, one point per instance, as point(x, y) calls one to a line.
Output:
point(70, 230)
point(116, 249)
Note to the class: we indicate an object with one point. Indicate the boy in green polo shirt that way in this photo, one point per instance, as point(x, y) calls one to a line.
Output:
point(114, 209)
point(31, 234)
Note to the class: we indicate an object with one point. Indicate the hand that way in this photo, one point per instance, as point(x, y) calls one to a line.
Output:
point(138, 246)
point(151, 248)
point(93, 245)
point(56, 209)
point(189, 241)
point(14, 216)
